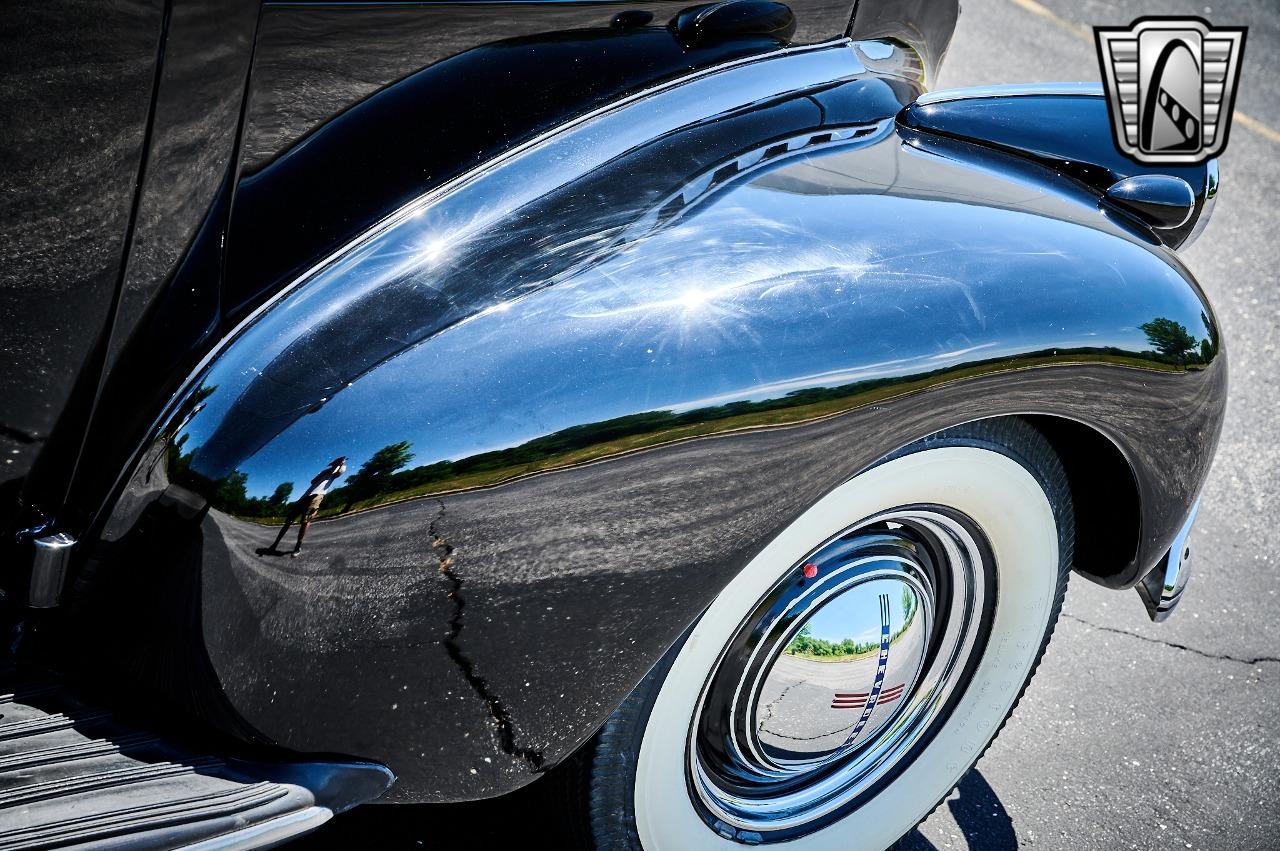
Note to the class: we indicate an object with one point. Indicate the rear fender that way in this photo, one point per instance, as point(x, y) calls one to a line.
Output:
point(579, 388)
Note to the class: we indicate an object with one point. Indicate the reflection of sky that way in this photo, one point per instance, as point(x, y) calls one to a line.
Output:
point(856, 613)
point(760, 293)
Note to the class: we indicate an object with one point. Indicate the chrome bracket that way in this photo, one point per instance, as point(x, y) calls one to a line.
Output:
point(49, 569)
point(1162, 588)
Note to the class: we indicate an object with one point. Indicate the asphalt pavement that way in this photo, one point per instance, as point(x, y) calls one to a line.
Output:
point(1132, 735)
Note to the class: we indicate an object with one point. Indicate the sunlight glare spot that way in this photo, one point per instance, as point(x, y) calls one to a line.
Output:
point(693, 299)
point(434, 248)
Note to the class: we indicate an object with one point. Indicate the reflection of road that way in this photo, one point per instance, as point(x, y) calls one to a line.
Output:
point(795, 712)
point(795, 706)
point(369, 564)
point(537, 560)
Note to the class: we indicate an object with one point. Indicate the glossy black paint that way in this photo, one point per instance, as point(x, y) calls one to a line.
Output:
point(168, 308)
point(396, 145)
point(315, 60)
point(75, 94)
point(412, 137)
point(1030, 124)
point(617, 385)
point(623, 359)
point(698, 26)
point(208, 46)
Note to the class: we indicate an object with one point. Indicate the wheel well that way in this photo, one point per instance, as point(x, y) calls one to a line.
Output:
point(1104, 495)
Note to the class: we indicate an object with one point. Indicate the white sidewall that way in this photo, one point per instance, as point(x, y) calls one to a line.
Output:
point(1012, 510)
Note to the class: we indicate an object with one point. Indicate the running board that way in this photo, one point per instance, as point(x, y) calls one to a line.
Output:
point(73, 776)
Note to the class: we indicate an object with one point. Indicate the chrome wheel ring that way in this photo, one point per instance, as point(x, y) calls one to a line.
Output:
point(840, 674)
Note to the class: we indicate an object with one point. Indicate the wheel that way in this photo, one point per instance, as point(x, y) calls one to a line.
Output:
point(841, 685)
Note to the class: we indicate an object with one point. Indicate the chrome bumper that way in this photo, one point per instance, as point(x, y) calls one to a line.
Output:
point(1162, 588)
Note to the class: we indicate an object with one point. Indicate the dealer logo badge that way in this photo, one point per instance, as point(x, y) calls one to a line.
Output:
point(1171, 85)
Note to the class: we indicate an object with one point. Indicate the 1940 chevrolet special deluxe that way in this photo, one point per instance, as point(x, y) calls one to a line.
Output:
point(404, 401)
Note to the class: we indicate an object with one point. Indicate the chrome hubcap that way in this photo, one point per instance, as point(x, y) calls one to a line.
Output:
point(840, 674)
point(840, 680)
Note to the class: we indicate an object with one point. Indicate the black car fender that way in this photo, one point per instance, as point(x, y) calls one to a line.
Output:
point(581, 385)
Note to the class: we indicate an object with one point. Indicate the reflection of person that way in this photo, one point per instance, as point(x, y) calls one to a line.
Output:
point(304, 510)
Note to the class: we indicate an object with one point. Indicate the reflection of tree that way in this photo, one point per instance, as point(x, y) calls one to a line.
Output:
point(177, 463)
point(190, 406)
point(383, 477)
point(230, 494)
point(281, 495)
point(375, 474)
point(1209, 345)
point(1171, 339)
point(805, 644)
point(231, 489)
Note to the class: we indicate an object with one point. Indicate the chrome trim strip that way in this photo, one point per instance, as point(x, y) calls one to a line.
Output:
point(1016, 90)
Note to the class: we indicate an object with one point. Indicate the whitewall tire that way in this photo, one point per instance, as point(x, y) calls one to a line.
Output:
point(709, 754)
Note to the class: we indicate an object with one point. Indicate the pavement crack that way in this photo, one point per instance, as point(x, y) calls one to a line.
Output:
point(846, 727)
point(1222, 657)
point(768, 707)
point(443, 551)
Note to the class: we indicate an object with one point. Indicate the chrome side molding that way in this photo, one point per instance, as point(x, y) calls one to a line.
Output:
point(1011, 90)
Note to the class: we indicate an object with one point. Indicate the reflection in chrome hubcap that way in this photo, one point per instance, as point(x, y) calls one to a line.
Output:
point(840, 674)
point(845, 673)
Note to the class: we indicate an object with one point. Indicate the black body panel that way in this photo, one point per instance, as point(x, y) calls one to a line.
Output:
point(1016, 123)
point(75, 94)
point(168, 306)
point(926, 26)
point(315, 60)
point(414, 136)
point(208, 47)
point(267, 225)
